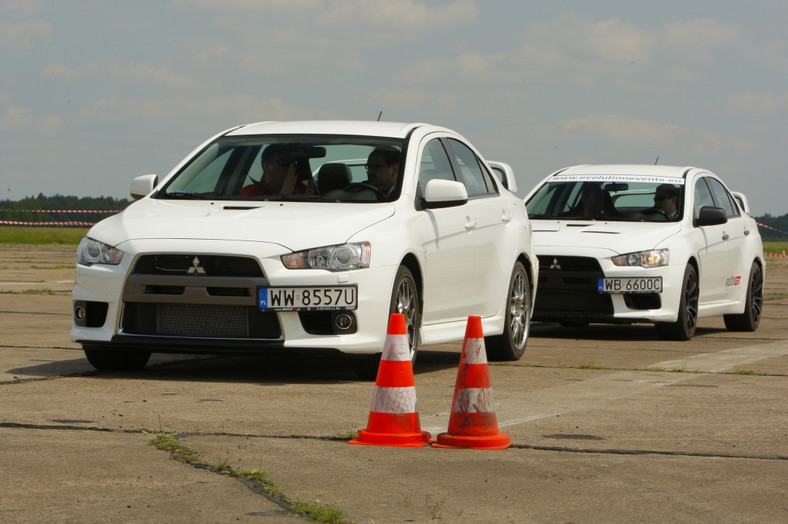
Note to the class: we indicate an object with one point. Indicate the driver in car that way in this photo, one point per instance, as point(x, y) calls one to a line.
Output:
point(279, 175)
point(666, 200)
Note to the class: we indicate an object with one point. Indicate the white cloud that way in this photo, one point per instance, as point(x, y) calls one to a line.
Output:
point(17, 119)
point(620, 129)
point(760, 104)
point(698, 39)
point(624, 132)
point(20, 35)
point(229, 109)
point(161, 76)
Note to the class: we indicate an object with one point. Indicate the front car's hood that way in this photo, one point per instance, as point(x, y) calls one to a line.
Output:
point(612, 238)
point(293, 225)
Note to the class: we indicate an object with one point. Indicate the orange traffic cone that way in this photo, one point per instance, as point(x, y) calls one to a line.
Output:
point(473, 423)
point(393, 419)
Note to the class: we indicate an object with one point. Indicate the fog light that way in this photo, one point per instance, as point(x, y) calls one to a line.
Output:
point(80, 314)
point(343, 321)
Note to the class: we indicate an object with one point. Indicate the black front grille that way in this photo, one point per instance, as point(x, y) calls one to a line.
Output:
point(196, 264)
point(568, 289)
point(199, 320)
point(197, 296)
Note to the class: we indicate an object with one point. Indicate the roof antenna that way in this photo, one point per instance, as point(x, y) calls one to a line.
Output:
point(657, 160)
point(380, 115)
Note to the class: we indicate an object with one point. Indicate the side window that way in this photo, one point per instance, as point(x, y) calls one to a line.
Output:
point(702, 197)
point(478, 181)
point(722, 198)
point(434, 164)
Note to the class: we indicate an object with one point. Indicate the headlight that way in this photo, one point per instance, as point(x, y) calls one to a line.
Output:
point(92, 251)
point(650, 258)
point(331, 258)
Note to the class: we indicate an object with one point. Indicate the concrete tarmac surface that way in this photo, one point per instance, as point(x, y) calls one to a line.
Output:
point(608, 424)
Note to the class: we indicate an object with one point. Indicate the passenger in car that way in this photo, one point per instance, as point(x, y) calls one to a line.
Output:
point(382, 172)
point(279, 175)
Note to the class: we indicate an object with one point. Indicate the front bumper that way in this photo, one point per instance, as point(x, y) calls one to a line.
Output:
point(568, 291)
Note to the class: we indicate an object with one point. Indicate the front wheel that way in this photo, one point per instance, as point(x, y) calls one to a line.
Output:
point(116, 359)
point(510, 345)
point(404, 300)
point(684, 326)
point(751, 318)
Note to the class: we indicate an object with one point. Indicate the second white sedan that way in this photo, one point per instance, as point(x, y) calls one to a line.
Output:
point(645, 243)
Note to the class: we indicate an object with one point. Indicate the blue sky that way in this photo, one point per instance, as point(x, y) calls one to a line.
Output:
point(96, 92)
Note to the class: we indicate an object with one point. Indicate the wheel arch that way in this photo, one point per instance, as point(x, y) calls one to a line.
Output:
point(525, 260)
point(412, 263)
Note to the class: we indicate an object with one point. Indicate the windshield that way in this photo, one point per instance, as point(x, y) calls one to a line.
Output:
point(302, 167)
point(625, 198)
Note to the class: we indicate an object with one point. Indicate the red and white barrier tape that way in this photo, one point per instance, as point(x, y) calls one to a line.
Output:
point(63, 210)
point(67, 223)
point(772, 228)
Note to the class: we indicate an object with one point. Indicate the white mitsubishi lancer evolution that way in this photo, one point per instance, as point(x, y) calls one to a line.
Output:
point(645, 243)
point(304, 237)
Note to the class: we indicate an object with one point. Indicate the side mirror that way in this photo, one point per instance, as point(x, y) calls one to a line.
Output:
point(741, 199)
point(504, 173)
point(143, 185)
point(711, 216)
point(444, 193)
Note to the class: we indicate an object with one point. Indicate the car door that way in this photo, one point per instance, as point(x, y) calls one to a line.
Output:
point(489, 214)
point(446, 246)
point(721, 271)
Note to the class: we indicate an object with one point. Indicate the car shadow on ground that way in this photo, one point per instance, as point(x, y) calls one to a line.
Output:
point(606, 331)
point(294, 369)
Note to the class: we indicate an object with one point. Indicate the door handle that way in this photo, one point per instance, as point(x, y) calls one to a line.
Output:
point(725, 236)
point(470, 224)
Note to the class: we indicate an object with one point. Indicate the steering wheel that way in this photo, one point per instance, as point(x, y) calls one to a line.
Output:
point(357, 187)
point(661, 215)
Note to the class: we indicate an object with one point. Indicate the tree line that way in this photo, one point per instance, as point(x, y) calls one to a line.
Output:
point(32, 209)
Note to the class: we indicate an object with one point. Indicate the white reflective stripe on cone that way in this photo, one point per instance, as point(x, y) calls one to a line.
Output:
point(475, 400)
point(394, 400)
point(396, 348)
point(474, 351)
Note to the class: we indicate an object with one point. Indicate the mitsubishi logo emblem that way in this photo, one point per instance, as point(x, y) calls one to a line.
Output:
point(196, 268)
point(555, 264)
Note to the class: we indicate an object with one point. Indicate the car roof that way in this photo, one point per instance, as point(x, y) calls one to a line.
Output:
point(331, 127)
point(644, 170)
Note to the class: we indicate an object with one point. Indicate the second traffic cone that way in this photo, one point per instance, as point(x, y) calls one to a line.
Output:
point(393, 419)
point(473, 423)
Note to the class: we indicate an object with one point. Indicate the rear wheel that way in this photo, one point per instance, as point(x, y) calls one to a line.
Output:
point(404, 300)
point(510, 345)
point(116, 359)
point(751, 318)
point(684, 326)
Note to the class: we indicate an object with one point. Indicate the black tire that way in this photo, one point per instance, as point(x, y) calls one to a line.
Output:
point(117, 359)
point(510, 345)
point(753, 306)
point(405, 300)
point(684, 326)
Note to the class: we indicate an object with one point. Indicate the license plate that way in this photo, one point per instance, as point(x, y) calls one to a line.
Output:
point(307, 298)
point(630, 285)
